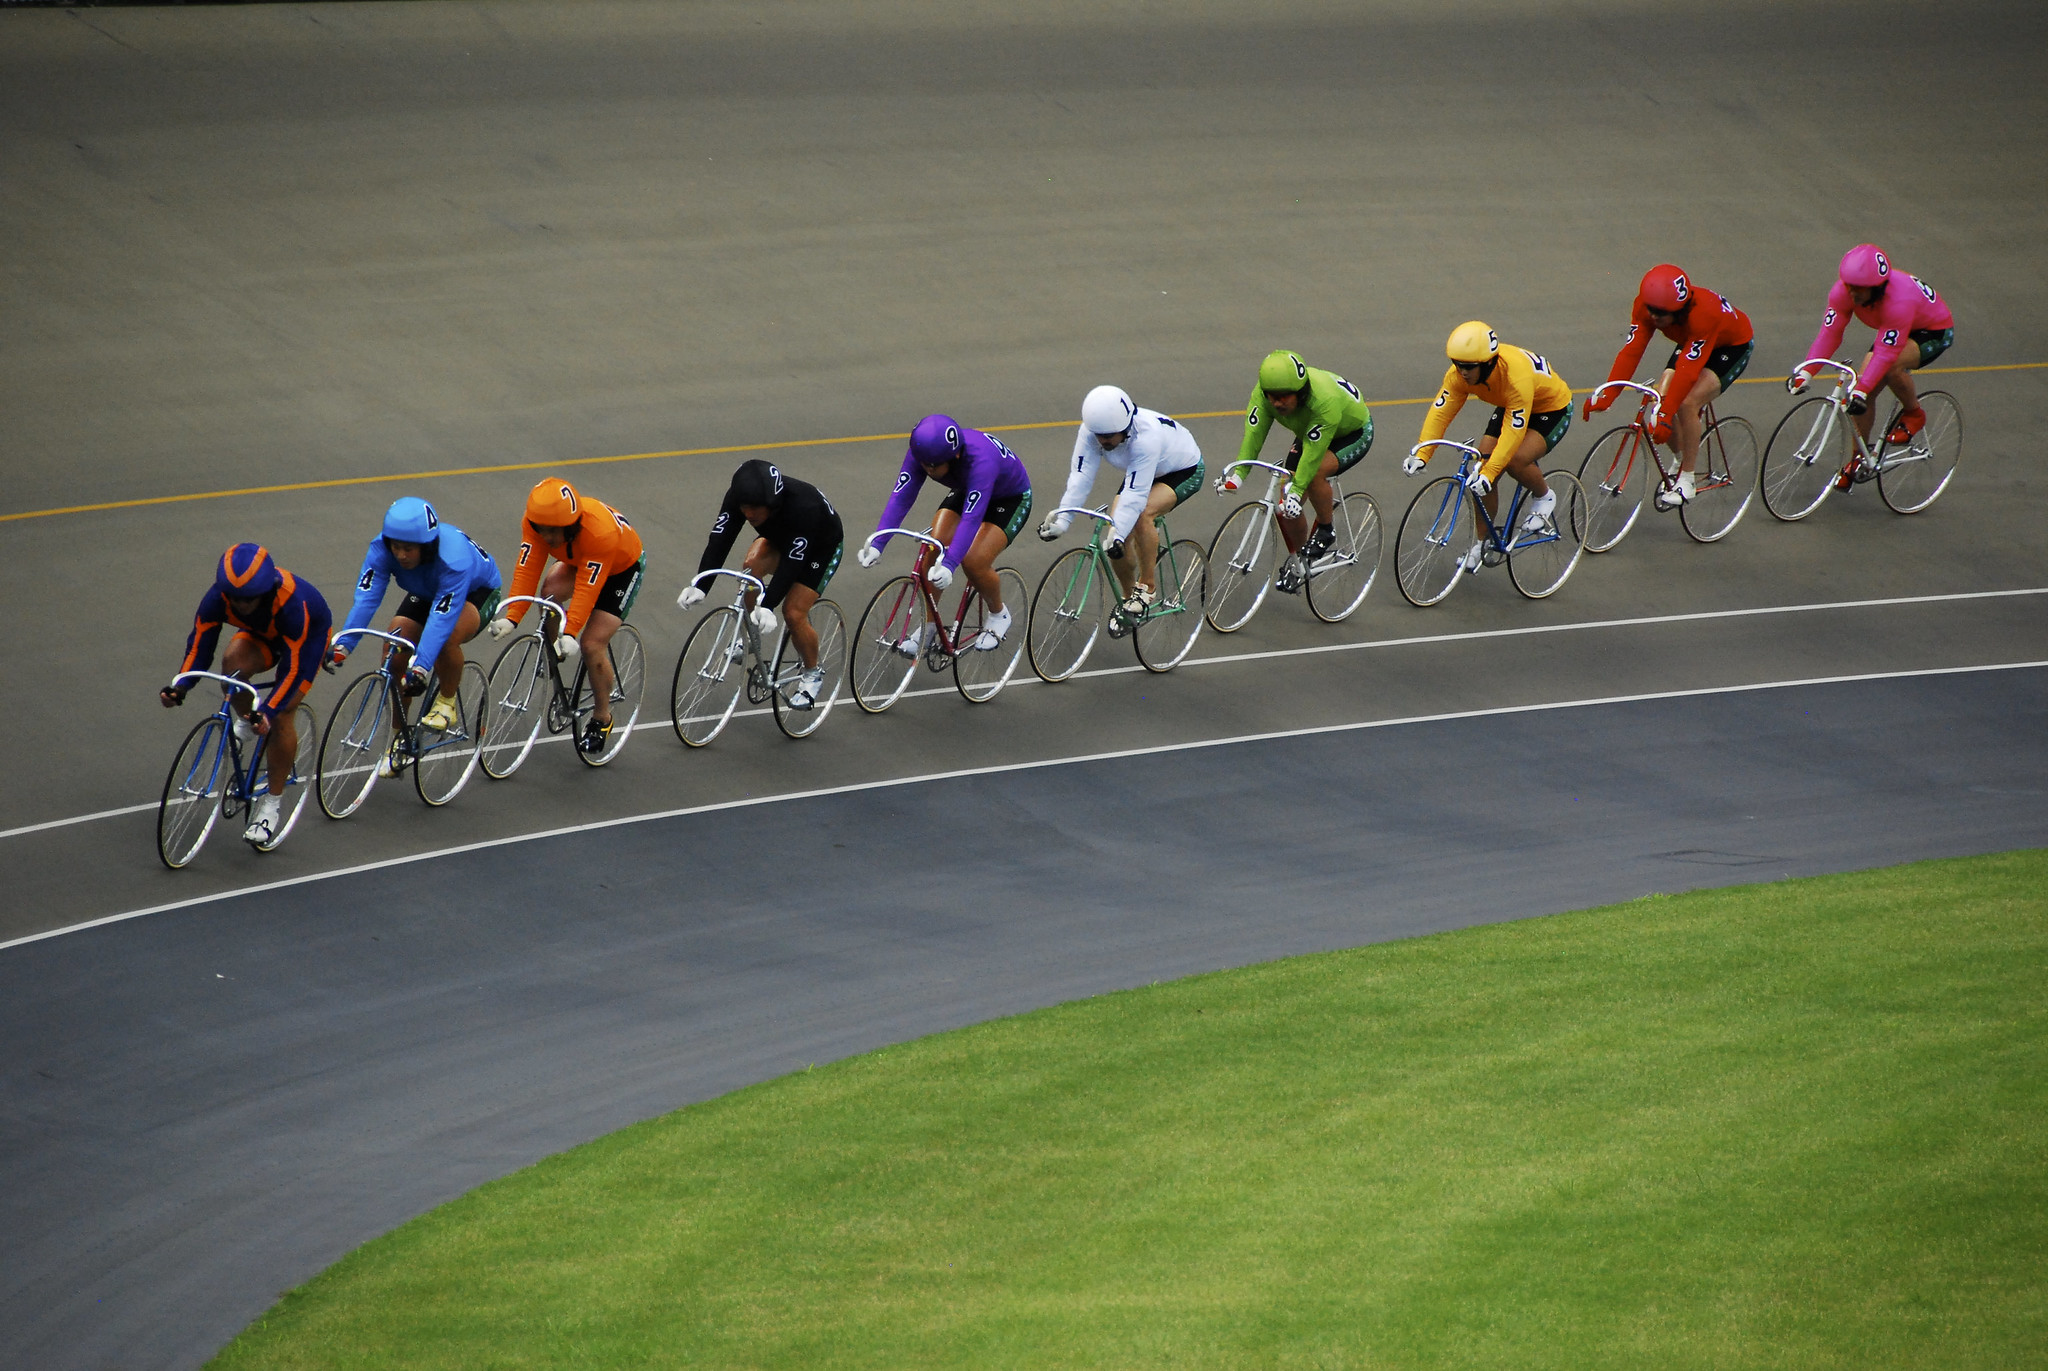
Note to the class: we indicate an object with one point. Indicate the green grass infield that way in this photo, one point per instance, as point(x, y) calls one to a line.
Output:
point(1794, 1125)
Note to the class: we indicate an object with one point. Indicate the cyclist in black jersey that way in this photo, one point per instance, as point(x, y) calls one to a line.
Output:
point(796, 554)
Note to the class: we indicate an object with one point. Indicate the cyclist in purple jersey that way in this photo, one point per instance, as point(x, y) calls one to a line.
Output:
point(990, 500)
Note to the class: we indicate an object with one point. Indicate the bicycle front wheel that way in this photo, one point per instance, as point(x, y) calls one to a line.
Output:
point(1912, 477)
point(1540, 560)
point(981, 669)
point(515, 703)
point(628, 660)
point(708, 678)
point(1808, 449)
point(1613, 476)
point(1726, 481)
point(1338, 582)
point(192, 793)
point(882, 668)
point(1066, 615)
point(1167, 634)
point(305, 769)
point(1426, 551)
point(357, 738)
point(789, 669)
point(1242, 557)
point(447, 757)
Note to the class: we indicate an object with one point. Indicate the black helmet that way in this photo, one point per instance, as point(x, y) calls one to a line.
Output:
point(757, 483)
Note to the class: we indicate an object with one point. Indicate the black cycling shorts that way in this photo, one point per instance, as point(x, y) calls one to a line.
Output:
point(1726, 363)
point(1552, 425)
point(620, 590)
point(1007, 514)
point(485, 598)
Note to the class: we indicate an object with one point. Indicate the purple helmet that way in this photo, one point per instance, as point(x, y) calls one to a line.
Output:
point(935, 441)
point(1863, 265)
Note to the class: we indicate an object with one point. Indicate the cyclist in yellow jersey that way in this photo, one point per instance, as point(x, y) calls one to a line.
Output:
point(1532, 410)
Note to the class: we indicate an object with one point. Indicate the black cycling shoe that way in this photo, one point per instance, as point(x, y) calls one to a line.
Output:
point(595, 736)
point(1293, 574)
point(1319, 542)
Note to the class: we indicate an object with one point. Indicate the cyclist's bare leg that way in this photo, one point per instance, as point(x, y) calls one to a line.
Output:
point(1141, 553)
point(1524, 466)
point(1320, 498)
point(1687, 424)
point(1899, 381)
point(596, 636)
point(448, 666)
point(796, 613)
point(246, 657)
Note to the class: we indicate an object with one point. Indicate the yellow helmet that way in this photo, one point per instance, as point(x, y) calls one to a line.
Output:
point(1472, 341)
point(552, 503)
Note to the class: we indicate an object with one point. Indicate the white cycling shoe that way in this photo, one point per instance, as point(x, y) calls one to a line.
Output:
point(1540, 512)
point(992, 636)
point(808, 687)
point(1473, 558)
point(264, 821)
point(1681, 494)
point(394, 757)
point(913, 644)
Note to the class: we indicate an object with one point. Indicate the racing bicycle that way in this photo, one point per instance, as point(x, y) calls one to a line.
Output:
point(725, 655)
point(1815, 449)
point(1434, 543)
point(903, 623)
point(1248, 551)
point(1621, 464)
point(526, 691)
point(211, 779)
point(375, 724)
point(1068, 612)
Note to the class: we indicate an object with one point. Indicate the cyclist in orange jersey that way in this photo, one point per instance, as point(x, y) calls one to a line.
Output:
point(599, 564)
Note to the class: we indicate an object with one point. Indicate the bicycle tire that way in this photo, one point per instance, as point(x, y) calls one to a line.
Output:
point(1067, 615)
point(1167, 634)
point(448, 758)
point(1241, 565)
point(305, 765)
point(1539, 569)
point(1798, 474)
point(1726, 483)
point(628, 657)
point(1426, 554)
point(348, 758)
point(191, 799)
point(980, 675)
point(831, 627)
point(1912, 477)
point(1343, 577)
point(515, 705)
point(707, 683)
point(1613, 476)
point(880, 671)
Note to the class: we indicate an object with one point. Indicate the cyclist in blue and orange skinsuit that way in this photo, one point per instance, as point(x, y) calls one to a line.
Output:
point(281, 621)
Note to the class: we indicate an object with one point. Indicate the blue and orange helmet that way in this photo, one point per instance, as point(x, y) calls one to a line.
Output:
point(247, 571)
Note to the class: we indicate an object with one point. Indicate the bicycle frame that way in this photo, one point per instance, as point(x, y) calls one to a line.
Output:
point(246, 775)
point(1271, 498)
point(560, 700)
point(948, 640)
point(1838, 411)
point(395, 645)
point(1100, 560)
point(760, 672)
point(1497, 546)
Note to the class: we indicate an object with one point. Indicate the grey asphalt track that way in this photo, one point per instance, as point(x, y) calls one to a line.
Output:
point(268, 245)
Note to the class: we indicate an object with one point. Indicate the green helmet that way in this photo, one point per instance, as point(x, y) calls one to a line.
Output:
point(1282, 372)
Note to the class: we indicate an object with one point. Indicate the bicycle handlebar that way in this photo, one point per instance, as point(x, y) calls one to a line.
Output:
point(1649, 392)
point(1465, 448)
point(1251, 462)
point(399, 639)
point(543, 601)
point(755, 581)
point(907, 533)
point(1096, 513)
point(1848, 372)
point(255, 697)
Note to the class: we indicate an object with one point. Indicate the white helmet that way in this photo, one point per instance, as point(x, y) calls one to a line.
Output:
point(1107, 409)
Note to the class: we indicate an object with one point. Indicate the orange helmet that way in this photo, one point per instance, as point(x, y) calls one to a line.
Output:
point(553, 503)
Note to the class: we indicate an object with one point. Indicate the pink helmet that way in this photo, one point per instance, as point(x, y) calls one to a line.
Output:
point(1864, 265)
point(1665, 289)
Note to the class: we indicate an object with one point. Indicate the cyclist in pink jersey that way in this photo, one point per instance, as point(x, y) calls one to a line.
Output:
point(1913, 328)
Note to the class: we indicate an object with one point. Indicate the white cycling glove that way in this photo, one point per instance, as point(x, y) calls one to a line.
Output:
point(1479, 483)
point(1412, 464)
point(566, 647)
point(940, 576)
point(1290, 506)
point(1054, 526)
point(763, 619)
point(691, 597)
point(868, 555)
point(500, 627)
point(1229, 481)
point(1797, 381)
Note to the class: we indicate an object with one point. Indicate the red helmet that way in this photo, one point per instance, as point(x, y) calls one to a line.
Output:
point(1666, 290)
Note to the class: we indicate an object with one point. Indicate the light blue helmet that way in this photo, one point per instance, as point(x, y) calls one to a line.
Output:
point(411, 520)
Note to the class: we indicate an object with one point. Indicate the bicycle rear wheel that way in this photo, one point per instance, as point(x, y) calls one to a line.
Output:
point(708, 678)
point(1242, 557)
point(1066, 615)
point(1426, 551)
point(1726, 481)
point(1338, 582)
point(447, 757)
point(301, 782)
point(980, 672)
point(1911, 478)
point(789, 669)
point(881, 669)
point(1168, 632)
point(1538, 563)
point(1808, 449)
point(515, 703)
point(629, 682)
point(357, 737)
point(1613, 476)
point(192, 792)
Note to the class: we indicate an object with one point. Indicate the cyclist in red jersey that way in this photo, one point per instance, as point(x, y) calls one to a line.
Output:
point(1714, 341)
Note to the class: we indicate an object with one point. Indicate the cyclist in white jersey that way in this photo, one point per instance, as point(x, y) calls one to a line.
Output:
point(1161, 465)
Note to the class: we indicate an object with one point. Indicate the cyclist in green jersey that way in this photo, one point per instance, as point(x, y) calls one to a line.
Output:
point(1332, 428)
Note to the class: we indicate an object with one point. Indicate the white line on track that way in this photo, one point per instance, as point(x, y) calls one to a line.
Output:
point(1301, 652)
point(1037, 765)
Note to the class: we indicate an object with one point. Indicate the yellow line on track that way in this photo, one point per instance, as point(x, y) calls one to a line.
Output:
point(740, 447)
